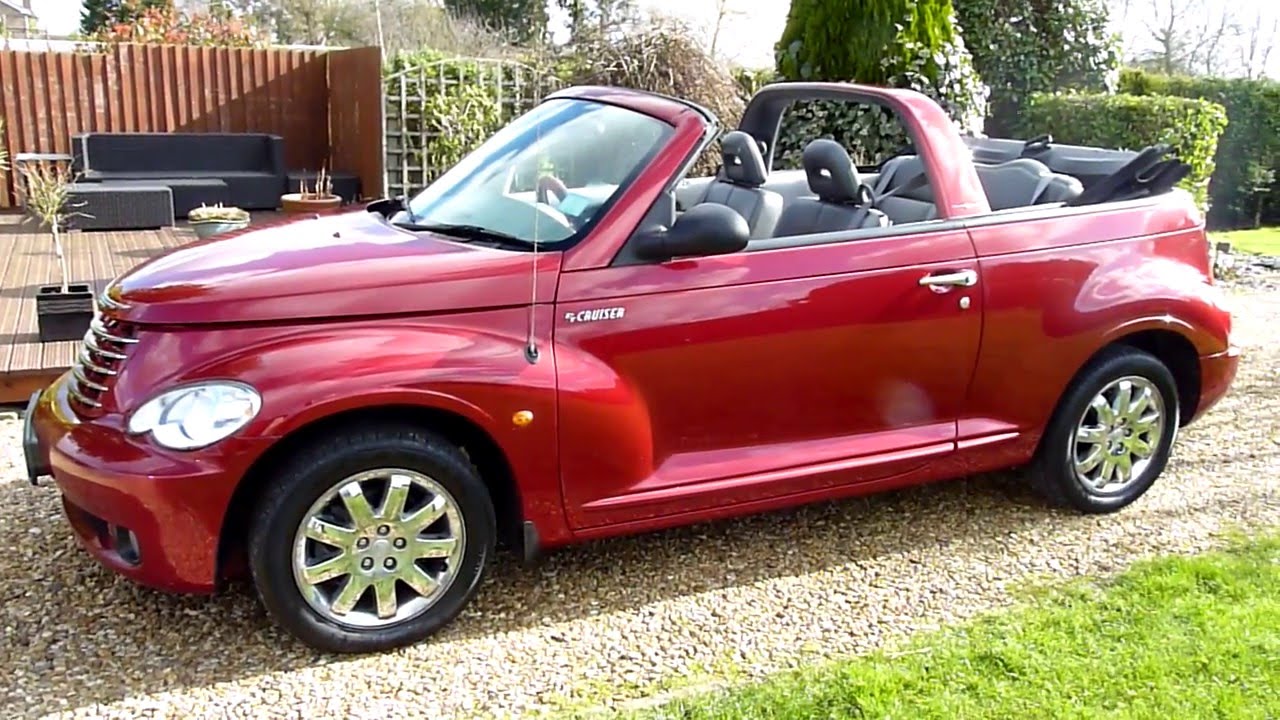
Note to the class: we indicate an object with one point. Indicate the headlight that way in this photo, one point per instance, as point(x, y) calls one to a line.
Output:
point(196, 416)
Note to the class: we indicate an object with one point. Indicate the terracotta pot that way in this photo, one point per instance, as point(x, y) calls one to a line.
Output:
point(296, 203)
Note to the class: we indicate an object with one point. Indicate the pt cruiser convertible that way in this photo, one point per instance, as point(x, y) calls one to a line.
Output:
point(565, 338)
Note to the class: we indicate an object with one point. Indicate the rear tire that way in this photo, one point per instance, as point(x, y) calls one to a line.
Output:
point(1111, 435)
point(372, 539)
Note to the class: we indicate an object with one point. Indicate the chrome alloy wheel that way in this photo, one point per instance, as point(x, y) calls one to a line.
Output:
point(378, 548)
point(1118, 434)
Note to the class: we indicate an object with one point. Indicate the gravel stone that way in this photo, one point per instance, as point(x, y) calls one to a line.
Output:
point(613, 620)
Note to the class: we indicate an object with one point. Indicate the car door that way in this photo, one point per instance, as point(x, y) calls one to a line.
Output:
point(702, 382)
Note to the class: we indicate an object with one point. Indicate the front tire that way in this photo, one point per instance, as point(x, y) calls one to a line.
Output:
point(1111, 435)
point(372, 539)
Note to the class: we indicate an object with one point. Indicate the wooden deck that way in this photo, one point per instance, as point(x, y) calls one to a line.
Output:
point(27, 261)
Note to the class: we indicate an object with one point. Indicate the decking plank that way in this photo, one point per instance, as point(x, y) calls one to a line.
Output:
point(27, 261)
point(8, 306)
point(20, 291)
point(27, 349)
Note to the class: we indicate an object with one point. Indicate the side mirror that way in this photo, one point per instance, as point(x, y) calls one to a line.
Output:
point(706, 229)
point(388, 206)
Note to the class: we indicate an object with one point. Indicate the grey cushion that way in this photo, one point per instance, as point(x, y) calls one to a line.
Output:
point(180, 152)
point(739, 188)
point(250, 164)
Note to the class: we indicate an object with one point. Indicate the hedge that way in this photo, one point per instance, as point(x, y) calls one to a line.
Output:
point(1245, 187)
point(1021, 47)
point(1132, 122)
point(895, 43)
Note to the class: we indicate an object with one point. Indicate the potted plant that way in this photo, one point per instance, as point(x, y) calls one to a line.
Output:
point(63, 311)
point(209, 221)
point(319, 197)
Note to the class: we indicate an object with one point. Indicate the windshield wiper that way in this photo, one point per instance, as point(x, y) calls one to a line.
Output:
point(465, 232)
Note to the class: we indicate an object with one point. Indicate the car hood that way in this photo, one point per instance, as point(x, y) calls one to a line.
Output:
point(334, 266)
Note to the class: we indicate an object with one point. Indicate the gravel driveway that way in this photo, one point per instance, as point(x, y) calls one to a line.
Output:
point(622, 617)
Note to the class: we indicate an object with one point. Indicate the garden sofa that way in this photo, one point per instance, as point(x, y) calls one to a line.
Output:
point(242, 169)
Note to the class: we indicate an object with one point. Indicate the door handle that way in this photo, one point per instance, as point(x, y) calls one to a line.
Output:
point(943, 282)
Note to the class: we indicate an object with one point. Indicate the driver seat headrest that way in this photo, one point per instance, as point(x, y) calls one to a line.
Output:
point(743, 161)
point(832, 176)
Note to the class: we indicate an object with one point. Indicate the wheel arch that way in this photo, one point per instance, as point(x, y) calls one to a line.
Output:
point(1169, 342)
point(476, 442)
point(1177, 352)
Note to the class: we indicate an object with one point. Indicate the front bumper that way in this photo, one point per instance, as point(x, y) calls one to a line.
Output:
point(37, 461)
point(152, 516)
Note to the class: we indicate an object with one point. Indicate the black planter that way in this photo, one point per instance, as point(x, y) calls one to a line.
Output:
point(64, 315)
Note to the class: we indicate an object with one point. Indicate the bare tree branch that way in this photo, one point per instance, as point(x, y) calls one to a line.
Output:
point(724, 10)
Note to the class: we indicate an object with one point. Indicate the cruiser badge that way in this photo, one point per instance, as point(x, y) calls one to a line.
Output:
point(610, 313)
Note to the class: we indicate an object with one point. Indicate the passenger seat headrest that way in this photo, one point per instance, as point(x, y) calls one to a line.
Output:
point(743, 162)
point(832, 176)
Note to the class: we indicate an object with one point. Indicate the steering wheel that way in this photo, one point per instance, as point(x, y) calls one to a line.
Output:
point(548, 184)
point(555, 216)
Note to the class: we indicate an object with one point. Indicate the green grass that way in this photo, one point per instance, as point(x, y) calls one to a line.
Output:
point(1194, 637)
point(1264, 240)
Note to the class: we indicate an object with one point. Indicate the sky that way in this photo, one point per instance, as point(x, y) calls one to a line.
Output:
point(747, 35)
point(745, 39)
point(59, 17)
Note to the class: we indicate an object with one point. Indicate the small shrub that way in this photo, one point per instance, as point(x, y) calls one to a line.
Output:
point(46, 194)
point(457, 122)
point(217, 213)
point(751, 80)
point(1244, 188)
point(169, 26)
point(1131, 122)
point(321, 188)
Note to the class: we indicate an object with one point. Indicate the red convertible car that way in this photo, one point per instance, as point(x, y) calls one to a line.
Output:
point(565, 337)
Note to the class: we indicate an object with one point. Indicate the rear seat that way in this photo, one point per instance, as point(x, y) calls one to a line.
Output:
point(834, 180)
point(1059, 188)
point(915, 205)
point(1023, 182)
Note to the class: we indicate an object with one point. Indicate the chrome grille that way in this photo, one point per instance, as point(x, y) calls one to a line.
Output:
point(101, 355)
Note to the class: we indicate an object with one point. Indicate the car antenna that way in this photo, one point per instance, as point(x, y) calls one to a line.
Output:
point(531, 344)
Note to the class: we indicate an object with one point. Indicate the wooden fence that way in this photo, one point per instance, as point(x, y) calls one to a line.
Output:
point(325, 104)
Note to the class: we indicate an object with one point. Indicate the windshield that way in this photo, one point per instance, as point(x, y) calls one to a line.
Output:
point(544, 178)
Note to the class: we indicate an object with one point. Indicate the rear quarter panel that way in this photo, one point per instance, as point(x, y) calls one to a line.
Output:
point(1060, 285)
